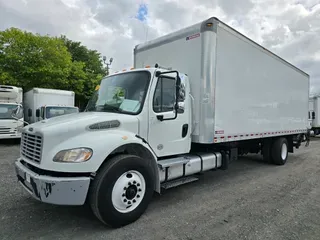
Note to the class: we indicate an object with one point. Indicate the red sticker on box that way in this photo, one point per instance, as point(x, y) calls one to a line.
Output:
point(219, 132)
point(193, 36)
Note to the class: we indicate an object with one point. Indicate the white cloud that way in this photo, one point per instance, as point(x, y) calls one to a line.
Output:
point(290, 28)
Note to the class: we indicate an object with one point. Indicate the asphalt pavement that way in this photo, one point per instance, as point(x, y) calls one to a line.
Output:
point(251, 200)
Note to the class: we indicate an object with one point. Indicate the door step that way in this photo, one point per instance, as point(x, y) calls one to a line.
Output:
point(178, 182)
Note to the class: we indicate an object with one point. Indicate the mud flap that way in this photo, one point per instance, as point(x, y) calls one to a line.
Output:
point(228, 157)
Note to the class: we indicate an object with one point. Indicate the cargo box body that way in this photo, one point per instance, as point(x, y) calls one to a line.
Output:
point(240, 89)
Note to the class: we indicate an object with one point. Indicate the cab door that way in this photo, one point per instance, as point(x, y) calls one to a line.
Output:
point(168, 135)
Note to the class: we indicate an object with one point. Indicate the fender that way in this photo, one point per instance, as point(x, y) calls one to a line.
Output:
point(136, 145)
point(104, 143)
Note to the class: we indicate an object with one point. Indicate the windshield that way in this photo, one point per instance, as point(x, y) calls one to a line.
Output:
point(58, 111)
point(123, 93)
point(7, 110)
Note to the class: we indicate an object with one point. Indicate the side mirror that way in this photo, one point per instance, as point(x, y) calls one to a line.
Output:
point(29, 112)
point(14, 111)
point(181, 107)
point(38, 113)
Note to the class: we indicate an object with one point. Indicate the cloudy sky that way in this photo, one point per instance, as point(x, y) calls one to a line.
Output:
point(290, 28)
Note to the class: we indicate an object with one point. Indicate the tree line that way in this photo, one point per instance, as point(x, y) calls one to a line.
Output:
point(31, 60)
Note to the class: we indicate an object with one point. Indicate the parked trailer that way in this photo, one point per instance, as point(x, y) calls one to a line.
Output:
point(151, 128)
point(11, 112)
point(43, 103)
point(314, 114)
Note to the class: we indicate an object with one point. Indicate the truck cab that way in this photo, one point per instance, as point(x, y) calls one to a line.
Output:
point(49, 111)
point(135, 113)
point(43, 103)
point(148, 96)
point(11, 112)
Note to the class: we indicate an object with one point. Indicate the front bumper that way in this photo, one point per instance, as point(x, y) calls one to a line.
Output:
point(10, 136)
point(53, 190)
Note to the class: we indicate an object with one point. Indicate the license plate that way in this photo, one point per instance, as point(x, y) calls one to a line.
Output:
point(27, 177)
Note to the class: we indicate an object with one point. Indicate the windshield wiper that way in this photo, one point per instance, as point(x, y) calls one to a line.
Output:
point(107, 107)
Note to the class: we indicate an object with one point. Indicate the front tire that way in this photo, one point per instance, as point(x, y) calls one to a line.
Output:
point(122, 190)
point(280, 151)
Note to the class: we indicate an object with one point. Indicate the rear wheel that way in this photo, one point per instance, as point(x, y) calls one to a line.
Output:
point(122, 190)
point(279, 151)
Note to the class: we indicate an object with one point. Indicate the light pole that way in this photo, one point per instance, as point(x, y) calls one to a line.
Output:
point(108, 64)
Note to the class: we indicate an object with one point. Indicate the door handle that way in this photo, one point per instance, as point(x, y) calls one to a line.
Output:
point(185, 128)
point(160, 117)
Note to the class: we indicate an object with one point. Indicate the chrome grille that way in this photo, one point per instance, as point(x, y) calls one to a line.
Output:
point(5, 130)
point(31, 146)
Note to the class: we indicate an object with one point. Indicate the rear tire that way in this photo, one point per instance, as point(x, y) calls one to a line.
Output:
point(279, 151)
point(122, 190)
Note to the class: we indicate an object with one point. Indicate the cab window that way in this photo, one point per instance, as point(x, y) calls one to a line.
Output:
point(164, 96)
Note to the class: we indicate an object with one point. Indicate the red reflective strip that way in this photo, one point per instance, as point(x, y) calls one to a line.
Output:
point(229, 136)
point(222, 137)
point(235, 136)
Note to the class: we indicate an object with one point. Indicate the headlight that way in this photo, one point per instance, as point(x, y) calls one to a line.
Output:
point(19, 129)
point(75, 155)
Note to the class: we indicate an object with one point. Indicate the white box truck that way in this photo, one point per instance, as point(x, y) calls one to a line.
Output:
point(153, 128)
point(314, 117)
point(11, 112)
point(43, 103)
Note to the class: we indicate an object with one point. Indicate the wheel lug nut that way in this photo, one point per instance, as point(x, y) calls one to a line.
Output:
point(129, 202)
point(123, 195)
point(139, 189)
point(134, 182)
point(124, 188)
point(138, 196)
point(134, 200)
point(138, 184)
point(125, 200)
point(129, 183)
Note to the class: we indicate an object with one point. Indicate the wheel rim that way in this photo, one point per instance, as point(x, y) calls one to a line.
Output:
point(128, 191)
point(284, 151)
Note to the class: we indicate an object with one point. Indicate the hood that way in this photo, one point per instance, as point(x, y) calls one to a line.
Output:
point(73, 124)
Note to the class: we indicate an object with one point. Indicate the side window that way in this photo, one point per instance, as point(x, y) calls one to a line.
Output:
point(164, 96)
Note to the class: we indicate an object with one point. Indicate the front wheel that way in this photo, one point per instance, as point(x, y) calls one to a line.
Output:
point(122, 190)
